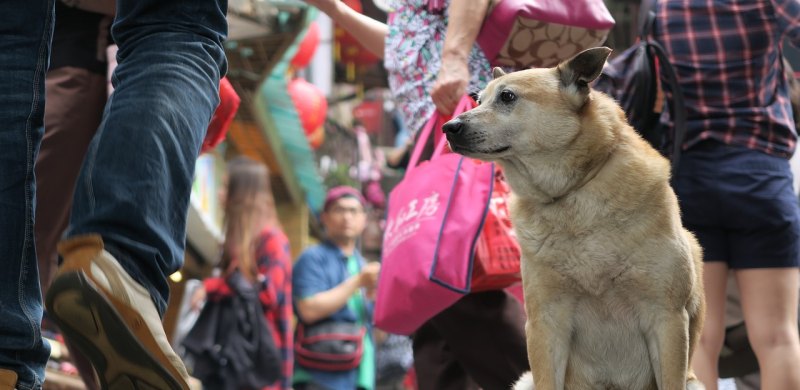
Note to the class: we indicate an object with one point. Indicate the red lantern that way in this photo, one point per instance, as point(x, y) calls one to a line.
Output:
point(223, 116)
point(307, 47)
point(311, 106)
point(316, 138)
point(348, 50)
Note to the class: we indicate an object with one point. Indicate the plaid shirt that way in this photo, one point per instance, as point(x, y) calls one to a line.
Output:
point(727, 55)
point(275, 264)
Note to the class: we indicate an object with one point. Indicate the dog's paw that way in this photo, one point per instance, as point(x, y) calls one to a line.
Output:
point(525, 382)
point(694, 384)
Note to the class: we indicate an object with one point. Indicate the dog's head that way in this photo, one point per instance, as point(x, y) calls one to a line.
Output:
point(528, 112)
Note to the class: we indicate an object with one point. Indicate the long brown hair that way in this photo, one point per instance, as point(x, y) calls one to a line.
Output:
point(249, 207)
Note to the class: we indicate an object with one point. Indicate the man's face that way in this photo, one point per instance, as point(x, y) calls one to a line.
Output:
point(345, 218)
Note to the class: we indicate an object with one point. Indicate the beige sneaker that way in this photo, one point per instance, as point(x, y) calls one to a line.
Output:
point(8, 379)
point(112, 320)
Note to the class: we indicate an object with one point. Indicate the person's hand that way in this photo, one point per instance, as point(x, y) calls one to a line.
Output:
point(326, 6)
point(451, 84)
point(369, 275)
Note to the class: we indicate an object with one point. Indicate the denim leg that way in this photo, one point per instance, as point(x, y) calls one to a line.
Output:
point(135, 182)
point(26, 28)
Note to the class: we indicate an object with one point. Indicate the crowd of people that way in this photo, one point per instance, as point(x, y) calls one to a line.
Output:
point(110, 182)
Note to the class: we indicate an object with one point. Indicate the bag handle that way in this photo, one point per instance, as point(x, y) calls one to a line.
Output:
point(465, 104)
point(647, 21)
point(435, 6)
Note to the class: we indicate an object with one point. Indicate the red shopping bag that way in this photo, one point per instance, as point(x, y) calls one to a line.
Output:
point(497, 252)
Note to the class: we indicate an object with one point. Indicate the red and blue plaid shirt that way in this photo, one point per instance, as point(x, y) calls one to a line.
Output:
point(727, 55)
point(275, 265)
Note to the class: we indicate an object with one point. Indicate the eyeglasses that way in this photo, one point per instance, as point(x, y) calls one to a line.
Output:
point(340, 211)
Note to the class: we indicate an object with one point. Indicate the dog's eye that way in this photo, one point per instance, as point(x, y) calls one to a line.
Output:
point(476, 97)
point(507, 96)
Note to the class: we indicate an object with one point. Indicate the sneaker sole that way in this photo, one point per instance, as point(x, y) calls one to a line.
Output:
point(89, 320)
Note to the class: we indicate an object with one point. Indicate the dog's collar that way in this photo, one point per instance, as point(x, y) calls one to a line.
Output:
point(589, 177)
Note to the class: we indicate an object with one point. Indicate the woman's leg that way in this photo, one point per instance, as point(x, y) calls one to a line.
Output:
point(706, 356)
point(769, 302)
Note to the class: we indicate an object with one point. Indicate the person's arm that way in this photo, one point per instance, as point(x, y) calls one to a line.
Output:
point(106, 7)
point(322, 305)
point(369, 32)
point(463, 26)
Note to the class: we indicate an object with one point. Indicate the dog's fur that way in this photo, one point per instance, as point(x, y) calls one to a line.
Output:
point(612, 280)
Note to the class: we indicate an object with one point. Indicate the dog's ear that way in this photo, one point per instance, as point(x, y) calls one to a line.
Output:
point(497, 72)
point(577, 72)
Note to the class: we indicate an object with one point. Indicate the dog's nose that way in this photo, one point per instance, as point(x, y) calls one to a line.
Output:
point(453, 127)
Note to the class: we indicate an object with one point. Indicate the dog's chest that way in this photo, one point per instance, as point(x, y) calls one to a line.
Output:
point(599, 269)
point(608, 347)
point(593, 262)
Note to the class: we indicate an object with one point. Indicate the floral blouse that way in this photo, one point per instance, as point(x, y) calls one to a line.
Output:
point(413, 56)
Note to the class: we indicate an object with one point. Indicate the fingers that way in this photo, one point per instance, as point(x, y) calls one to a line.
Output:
point(370, 274)
point(445, 100)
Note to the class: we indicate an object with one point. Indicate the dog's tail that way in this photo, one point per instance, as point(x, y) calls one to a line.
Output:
point(525, 382)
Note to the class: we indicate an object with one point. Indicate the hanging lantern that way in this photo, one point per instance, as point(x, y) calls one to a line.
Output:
point(348, 50)
point(311, 105)
point(307, 47)
point(316, 138)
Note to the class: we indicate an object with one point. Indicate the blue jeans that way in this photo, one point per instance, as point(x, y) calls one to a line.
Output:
point(135, 182)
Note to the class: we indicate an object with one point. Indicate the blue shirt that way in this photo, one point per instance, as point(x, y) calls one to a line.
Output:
point(318, 269)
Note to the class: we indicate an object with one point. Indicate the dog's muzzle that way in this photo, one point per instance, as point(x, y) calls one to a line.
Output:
point(458, 136)
point(453, 128)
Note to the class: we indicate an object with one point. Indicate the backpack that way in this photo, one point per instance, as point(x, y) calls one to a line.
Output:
point(634, 79)
point(230, 347)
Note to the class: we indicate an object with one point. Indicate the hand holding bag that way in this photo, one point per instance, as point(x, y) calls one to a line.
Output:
point(434, 217)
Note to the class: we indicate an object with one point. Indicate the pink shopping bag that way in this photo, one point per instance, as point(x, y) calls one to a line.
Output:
point(435, 215)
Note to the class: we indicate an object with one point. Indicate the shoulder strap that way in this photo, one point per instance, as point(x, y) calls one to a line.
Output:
point(647, 20)
point(677, 106)
point(647, 17)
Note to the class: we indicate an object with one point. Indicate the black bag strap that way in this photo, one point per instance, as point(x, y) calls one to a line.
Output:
point(647, 19)
point(677, 106)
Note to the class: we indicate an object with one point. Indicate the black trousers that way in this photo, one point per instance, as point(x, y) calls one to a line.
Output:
point(479, 342)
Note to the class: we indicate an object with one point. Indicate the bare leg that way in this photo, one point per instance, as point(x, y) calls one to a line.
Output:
point(706, 356)
point(769, 303)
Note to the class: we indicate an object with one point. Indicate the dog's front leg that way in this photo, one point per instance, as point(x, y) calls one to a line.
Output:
point(668, 345)
point(549, 331)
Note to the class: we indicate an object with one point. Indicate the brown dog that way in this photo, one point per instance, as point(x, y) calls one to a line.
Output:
point(612, 280)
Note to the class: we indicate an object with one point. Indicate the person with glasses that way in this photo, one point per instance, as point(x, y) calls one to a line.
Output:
point(332, 282)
